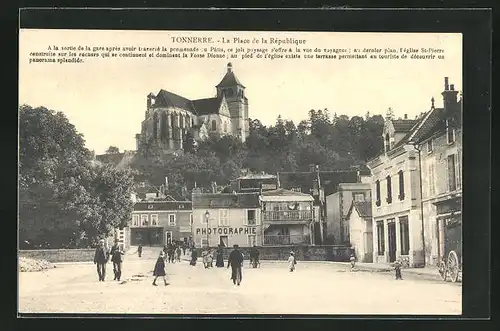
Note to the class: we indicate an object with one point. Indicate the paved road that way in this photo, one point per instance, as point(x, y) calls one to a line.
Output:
point(313, 289)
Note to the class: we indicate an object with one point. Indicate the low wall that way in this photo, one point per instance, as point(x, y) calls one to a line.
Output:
point(336, 253)
point(60, 255)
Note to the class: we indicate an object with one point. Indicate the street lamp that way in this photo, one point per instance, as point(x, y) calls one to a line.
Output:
point(207, 217)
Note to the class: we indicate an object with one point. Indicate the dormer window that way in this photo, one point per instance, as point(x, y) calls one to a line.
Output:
point(387, 142)
point(214, 125)
point(450, 132)
point(429, 146)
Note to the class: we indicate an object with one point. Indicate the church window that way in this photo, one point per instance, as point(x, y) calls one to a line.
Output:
point(225, 126)
point(214, 125)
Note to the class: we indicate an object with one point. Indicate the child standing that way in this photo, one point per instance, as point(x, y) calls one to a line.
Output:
point(139, 250)
point(397, 268)
point(178, 253)
point(159, 270)
point(292, 262)
point(353, 261)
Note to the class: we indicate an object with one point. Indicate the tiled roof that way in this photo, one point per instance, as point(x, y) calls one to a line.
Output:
point(364, 208)
point(229, 80)
point(424, 128)
point(162, 205)
point(169, 99)
point(403, 125)
point(329, 180)
point(282, 192)
point(225, 200)
point(207, 106)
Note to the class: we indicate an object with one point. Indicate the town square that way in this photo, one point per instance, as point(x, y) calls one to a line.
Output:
point(220, 186)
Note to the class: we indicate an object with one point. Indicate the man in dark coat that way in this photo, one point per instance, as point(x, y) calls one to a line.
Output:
point(254, 256)
point(101, 257)
point(235, 261)
point(116, 258)
point(194, 256)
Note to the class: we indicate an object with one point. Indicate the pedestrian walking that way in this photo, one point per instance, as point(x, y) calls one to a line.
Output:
point(116, 258)
point(235, 261)
point(397, 269)
point(292, 262)
point(159, 270)
point(184, 249)
point(101, 257)
point(178, 252)
point(139, 250)
point(194, 256)
point(353, 261)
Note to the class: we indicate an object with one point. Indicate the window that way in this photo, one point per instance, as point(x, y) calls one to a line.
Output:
point(380, 238)
point(154, 220)
point(144, 220)
point(214, 125)
point(168, 237)
point(171, 219)
point(387, 142)
point(452, 179)
point(359, 196)
point(251, 218)
point(225, 126)
point(223, 241)
point(191, 219)
point(389, 189)
point(135, 220)
point(459, 170)
point(450, 132)
point(229, 92)
point(223, 217)
point(251, 240)
point(405, 235)
point(429, 146)
point(401, 185)
point(377, 192)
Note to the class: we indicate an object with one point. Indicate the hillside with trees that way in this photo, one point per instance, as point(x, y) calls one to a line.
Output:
point(331, 141)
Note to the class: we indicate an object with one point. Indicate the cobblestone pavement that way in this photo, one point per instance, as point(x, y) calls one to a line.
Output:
point(314, 288)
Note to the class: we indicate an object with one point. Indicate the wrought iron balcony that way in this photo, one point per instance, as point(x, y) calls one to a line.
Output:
point(291, 215)
point(277, 240)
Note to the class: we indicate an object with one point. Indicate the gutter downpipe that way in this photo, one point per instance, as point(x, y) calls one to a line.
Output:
point(421, 201)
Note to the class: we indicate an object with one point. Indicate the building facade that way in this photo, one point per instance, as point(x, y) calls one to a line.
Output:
point(441, 152)
point(170, 118)
point(226, 219)
point(402, 227)
point(337, 209)
point(359, 218)
point(287, 218)
point(157, 223)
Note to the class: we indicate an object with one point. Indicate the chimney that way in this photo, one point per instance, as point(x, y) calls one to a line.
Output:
point(449, 97)
point(406, 116)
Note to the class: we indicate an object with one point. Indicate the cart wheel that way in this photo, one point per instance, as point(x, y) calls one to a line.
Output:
point(453, 266)
point(442, 270)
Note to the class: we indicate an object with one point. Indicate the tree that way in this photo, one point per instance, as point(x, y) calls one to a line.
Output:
point(113, 150)
point(58, 186)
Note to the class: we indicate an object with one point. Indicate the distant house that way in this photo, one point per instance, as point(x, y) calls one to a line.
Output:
point(287, 217)
point(226, 219)
point(255, 183)
point(337, 208)
point(359, 219)
point(320, 184)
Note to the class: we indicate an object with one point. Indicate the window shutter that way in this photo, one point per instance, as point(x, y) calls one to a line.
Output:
point(457, 171)
point(257, 216)
point(226, 217)
point(221, 215)
point(245, 217)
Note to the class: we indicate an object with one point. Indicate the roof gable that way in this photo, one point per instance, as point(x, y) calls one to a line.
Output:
point(363, 208)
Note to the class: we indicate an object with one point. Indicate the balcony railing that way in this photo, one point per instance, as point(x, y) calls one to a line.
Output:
point(286, 240)
point(292, 215)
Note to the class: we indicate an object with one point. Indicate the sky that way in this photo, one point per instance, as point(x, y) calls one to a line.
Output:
point(105, 98)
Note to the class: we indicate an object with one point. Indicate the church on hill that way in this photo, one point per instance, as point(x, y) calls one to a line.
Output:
point(169, 117)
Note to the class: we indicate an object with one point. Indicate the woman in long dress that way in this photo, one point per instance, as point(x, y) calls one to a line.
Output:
point(219, 263)
point(292, 262)
point(159, 270)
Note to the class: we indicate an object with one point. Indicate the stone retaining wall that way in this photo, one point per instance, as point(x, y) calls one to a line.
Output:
point(60, 255)
point(336, 253)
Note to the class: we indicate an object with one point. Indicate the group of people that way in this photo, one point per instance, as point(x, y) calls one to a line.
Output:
point(102, 257)
point(173, 252)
